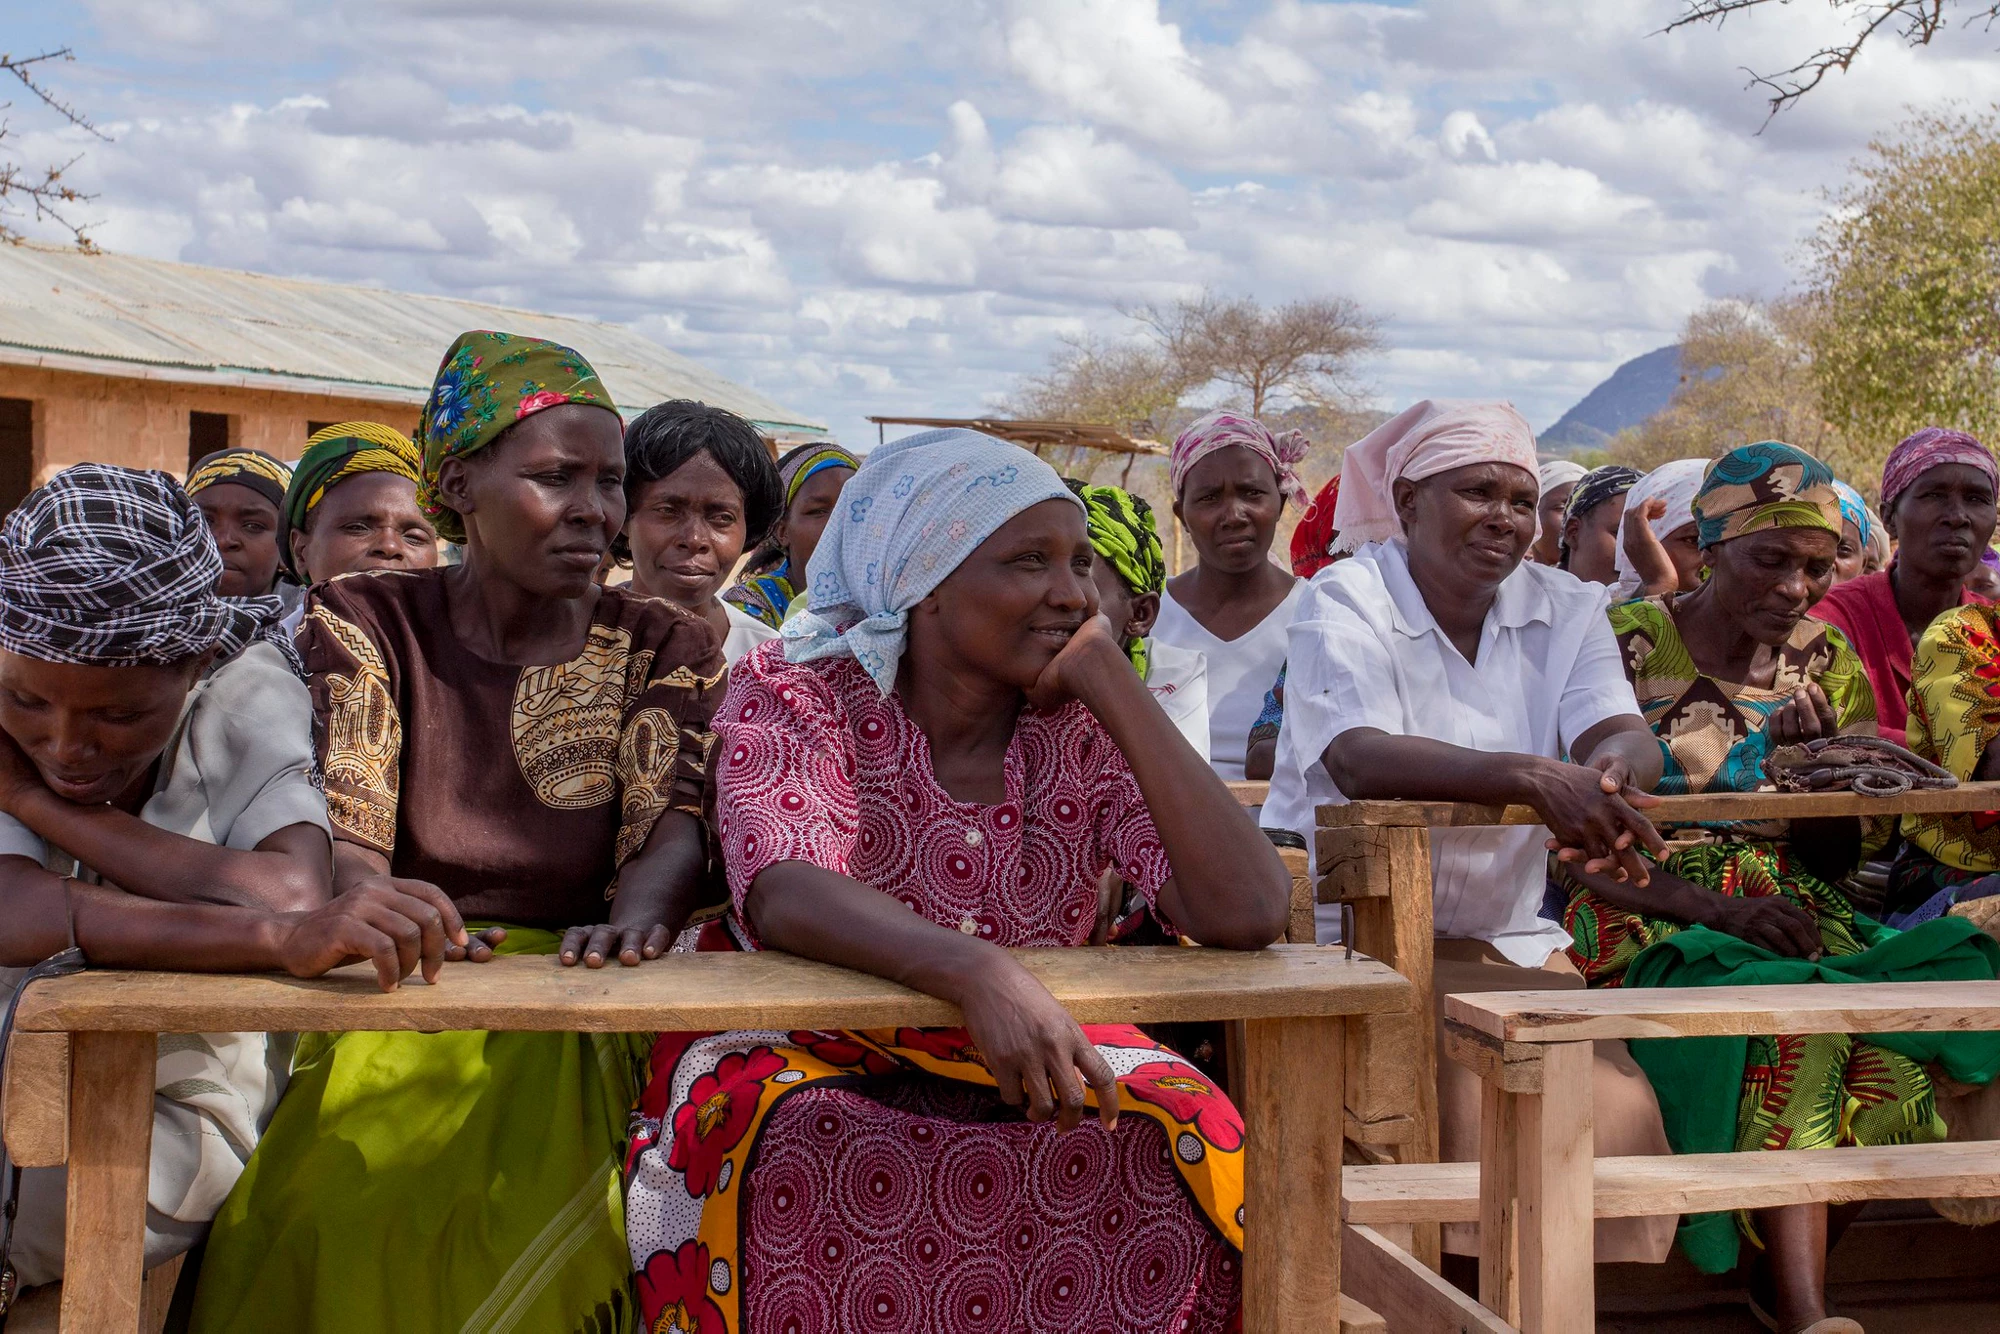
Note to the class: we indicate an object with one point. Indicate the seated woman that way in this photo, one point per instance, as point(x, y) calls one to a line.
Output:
point(812, 476)
point(931, 768)
point(1857, 536)
point(1231, 477)
point(1658, 552)
point(1557, 480)
point(241, 493)
point(162, 815)
point(1131, 573)
point(1938, 503)
point(534, 746)
point(1315, 545)
point(1946, 860)
point(700, 487)
point(1435, 664)
point(1725, 675)
point(352, 505)
point(1591, 522)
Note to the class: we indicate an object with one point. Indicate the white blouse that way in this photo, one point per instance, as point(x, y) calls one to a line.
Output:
point(1178, 679)
point(745, 632)
point(1366, 652)
point(1241, 671)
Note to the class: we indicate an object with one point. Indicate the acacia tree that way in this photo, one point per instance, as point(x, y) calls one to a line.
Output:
point(1916, 22)
point(45, 193)
point(1905, 285)
point(1305, 351)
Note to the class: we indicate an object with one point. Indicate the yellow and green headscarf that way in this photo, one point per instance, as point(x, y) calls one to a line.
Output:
point(241, 467)
point(332, 456)
point(487, 382)
point(1122, 533)
point(1766, 485)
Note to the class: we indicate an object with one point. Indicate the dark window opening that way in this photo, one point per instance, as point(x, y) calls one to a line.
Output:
point(314, 428)
point(207, 432)
point(17, 451)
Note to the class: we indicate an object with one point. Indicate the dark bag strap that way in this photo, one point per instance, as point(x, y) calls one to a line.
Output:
point(61, 964)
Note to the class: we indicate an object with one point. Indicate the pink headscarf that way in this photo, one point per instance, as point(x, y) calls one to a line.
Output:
point(1932, 447)
point(1435, 436)
point(1220, 430)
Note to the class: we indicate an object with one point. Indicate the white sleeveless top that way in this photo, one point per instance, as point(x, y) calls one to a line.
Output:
point(1240, 672)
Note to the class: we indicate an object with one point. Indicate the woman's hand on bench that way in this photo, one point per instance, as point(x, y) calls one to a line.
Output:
point(400, 926)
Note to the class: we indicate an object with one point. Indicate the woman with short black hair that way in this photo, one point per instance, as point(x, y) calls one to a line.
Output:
point(700, 488)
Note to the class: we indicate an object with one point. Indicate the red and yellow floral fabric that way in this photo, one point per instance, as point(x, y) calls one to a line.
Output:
point(699, 1139)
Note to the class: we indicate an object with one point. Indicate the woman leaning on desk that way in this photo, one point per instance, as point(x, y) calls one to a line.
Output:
point(1435, 664)
point(936, 763)
point(1724, 675)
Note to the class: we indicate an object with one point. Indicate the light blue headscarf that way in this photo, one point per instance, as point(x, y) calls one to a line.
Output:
point(912, 514)
point(1855, 511)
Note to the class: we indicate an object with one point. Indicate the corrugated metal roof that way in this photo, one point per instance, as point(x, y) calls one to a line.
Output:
point(162, 320)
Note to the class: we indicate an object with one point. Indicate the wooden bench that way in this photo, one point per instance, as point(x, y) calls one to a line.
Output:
point(1376, 857)
point(93, 1036)
point(1537, 1188)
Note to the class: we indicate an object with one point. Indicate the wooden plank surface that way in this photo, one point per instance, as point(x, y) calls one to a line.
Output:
point(35, 1103)
point(1693, 1183)
point(1357, 1317)
point(712, 991)
point(1411, 1298)
point(110, 1143)
point(1250, 793)
point(1555, 1228)
point(1291, 1174)
point(1676, 810)
point(1667, 1012)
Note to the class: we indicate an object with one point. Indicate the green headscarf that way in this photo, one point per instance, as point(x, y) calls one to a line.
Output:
point(486, 383)
point(332, 456)
point(1122, 532)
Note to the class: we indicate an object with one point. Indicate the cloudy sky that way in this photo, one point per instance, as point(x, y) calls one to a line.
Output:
point(899, 206)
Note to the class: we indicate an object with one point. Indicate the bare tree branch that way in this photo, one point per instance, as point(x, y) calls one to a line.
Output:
point(1917, 22)
point(47, 194)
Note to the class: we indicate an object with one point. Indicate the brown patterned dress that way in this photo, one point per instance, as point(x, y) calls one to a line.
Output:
point(519, 791)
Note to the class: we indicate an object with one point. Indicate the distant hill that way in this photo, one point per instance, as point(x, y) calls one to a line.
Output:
point(1635, 391)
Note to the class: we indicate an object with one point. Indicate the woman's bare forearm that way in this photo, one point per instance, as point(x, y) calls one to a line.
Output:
point(157, 864)
point(1229, 887)
point(119, 930)
point(662, 881)
point(820, 914)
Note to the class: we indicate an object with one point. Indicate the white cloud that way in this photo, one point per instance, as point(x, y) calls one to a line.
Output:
point(898, 208)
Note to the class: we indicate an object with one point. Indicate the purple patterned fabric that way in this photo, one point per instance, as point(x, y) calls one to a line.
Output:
point(1932, 447)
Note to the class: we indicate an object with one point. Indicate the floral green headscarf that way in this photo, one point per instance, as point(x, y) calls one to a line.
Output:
point(486, 383)
point(1123, 535)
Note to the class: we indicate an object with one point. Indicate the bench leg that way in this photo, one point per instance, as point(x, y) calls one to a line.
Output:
point(1558, 1284)
point(1293, 1119)
point(110, 1147)
point(1499, 1201)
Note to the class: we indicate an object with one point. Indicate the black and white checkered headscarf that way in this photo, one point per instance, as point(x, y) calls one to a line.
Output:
point(114, 567)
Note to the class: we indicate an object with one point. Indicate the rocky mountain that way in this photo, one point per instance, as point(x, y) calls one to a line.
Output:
point(1635, 391)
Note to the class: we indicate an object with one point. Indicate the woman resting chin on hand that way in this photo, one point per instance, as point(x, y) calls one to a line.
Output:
point(928, 770)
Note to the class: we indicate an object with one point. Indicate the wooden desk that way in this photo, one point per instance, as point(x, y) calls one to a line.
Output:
point(1538, 1188)
point(1296, 999)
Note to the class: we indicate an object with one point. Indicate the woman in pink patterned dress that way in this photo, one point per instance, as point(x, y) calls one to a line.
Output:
point(935, 763)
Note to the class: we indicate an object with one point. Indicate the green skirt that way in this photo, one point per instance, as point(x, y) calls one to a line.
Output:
point(429, 1182)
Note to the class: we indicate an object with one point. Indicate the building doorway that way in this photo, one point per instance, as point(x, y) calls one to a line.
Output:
point(17, 451)
point(207, 432)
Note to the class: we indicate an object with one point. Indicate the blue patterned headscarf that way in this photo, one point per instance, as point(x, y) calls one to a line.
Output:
point(912, 514)
point(1766, 485)
point(1854, 510)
